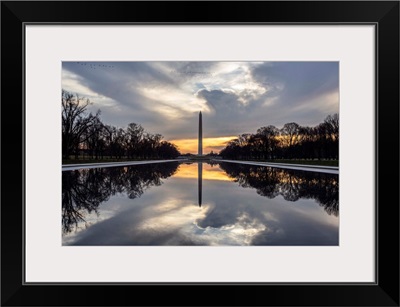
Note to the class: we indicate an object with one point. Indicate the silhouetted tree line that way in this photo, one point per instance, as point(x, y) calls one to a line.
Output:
point(291, 142)
point(84, 132)
point(291, 185)
point(85, 189)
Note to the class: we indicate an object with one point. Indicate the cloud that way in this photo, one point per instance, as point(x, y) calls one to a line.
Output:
point(235, 97)
point(303, 92)
point(220, 100)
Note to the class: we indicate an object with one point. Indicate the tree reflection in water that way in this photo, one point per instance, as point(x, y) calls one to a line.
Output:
point(85, 189)
point(292, 185)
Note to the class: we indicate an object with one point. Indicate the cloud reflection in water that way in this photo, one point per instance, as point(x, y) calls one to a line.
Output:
point(158, 205)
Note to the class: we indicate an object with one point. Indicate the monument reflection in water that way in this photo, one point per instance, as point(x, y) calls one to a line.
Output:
point(199, 204)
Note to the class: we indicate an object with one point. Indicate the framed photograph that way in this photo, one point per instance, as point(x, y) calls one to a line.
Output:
point(242, 146)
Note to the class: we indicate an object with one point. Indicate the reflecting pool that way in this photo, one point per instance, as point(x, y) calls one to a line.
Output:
point(199, 203)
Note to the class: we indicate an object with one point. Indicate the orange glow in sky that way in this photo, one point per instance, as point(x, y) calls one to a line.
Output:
point(209, 144)
point(190, 171)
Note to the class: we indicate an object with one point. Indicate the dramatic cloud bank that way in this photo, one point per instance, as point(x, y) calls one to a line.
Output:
point(234, 97)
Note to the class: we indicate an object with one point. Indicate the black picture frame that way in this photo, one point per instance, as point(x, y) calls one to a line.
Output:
point(384, 292)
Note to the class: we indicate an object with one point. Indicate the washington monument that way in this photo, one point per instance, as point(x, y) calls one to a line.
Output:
point(200, 151)
point(199, 156)
point(200, 164)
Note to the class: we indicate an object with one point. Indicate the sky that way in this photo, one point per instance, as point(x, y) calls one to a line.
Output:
point(234, 97)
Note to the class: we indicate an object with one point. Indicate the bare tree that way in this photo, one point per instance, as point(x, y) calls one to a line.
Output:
point(268, 139)
point(290, 132)
point(75, 121)
point(332, 124)
point(134, 136)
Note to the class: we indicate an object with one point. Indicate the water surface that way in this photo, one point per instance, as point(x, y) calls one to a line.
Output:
point(199, 204)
